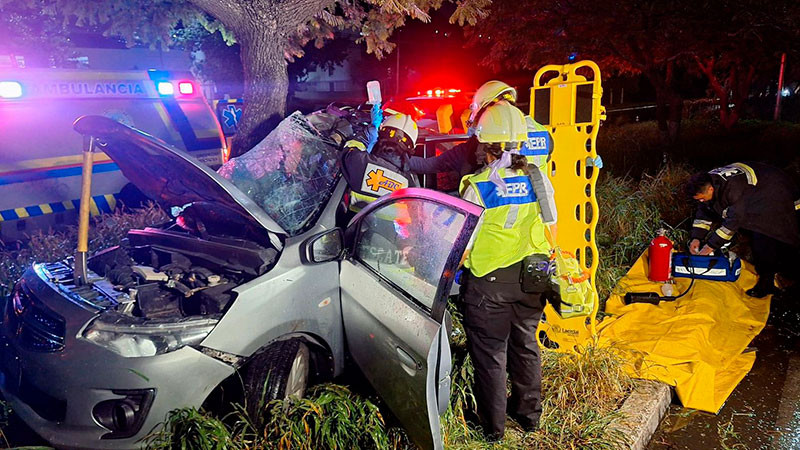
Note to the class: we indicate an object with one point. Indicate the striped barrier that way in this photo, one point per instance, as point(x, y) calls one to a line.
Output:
point(101, 204)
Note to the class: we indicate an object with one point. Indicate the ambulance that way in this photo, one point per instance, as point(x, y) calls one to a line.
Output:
point(40, 154)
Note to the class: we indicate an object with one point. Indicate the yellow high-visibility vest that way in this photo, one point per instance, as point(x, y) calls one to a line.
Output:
point(512, 226)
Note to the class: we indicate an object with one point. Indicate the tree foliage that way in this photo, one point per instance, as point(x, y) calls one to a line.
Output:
point(29, 28)
point(270, 33)
point(728, 41)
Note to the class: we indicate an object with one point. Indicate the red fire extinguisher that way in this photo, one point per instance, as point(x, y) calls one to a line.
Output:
point(660, 255)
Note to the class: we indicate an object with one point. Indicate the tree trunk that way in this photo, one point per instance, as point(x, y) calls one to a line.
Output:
point(669, 104)
point(266, 83)
point(262, 28)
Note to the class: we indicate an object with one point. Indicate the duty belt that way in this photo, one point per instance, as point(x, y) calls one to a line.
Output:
point(508, 274)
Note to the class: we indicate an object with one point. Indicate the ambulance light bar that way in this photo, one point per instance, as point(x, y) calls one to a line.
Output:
point(10, 89)
point(440, 92)
point(167, 88)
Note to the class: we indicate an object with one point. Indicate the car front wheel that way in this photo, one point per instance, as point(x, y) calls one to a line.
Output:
point(279, 372)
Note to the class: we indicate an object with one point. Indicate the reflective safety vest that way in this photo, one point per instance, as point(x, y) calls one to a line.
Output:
point(512, 226)
point(539, 145)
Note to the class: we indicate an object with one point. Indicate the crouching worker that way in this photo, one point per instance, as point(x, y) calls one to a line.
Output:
point(755, 198)
point(385, 169)
point(500, 318)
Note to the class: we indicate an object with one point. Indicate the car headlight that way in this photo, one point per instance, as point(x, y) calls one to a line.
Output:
point(132, 338)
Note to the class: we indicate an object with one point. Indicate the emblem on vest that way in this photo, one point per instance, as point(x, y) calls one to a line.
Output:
point(518, 191)
point(380, 180)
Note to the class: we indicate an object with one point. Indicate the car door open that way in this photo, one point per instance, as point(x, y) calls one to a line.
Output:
point(404, 250)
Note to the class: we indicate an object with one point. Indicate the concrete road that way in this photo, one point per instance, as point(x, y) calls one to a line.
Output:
point(764, 410)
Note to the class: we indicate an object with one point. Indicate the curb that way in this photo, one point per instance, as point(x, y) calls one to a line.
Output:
point(642, 412)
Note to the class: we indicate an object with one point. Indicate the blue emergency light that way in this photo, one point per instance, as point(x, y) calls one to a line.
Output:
point(10, 89)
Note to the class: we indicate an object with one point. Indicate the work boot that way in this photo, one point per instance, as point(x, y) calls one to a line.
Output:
point(527, 425)
point(761, 289)
point(494, 438)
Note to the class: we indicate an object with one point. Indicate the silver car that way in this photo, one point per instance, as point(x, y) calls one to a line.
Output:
point(260, 275)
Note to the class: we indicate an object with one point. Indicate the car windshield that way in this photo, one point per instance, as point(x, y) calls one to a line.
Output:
point(290, 174)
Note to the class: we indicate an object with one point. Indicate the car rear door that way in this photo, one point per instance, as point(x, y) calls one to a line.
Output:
point(403, 252)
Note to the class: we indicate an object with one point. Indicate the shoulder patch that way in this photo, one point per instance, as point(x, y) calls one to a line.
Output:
point(735, 169)
point(536, 145)
point(379, 180)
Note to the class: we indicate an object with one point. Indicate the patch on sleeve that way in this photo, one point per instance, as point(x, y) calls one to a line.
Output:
point(536, 145)
point(380, 180)
point(735, 169)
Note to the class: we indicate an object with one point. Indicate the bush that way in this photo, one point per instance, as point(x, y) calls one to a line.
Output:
point(637, 148)
point(631, 214)
point(48, 246)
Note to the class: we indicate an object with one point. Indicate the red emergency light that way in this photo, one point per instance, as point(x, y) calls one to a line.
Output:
point(186, 87)
point(449, 93)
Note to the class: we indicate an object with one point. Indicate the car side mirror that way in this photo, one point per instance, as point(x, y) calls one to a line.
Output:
point(324, 247)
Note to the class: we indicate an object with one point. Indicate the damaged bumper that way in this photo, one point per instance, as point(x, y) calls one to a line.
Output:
point(77, 394)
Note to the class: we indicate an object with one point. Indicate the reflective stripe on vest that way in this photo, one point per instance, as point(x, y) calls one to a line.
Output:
point(512, 225)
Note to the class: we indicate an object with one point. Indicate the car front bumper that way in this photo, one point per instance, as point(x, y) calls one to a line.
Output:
point(55, 392)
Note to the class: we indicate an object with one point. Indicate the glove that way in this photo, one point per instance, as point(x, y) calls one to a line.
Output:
point(376, 119)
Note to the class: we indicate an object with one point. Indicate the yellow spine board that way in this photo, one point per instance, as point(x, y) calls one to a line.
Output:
point(569, 106)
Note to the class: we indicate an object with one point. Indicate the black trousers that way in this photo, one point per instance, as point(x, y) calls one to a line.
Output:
point(771, 256)
point(500, 322)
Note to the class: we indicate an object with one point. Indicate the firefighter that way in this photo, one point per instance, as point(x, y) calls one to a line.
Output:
point(752, 197)
point(499, 318)
point(463, 158)
point(385, 169)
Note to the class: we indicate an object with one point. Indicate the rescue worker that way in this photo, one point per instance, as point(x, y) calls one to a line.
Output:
point(499, 318)
point(463, 158)
point(385, 169)
point(755, 197)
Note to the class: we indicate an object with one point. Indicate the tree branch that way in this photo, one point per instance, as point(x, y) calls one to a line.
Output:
point(298, 13)
point(229, 12)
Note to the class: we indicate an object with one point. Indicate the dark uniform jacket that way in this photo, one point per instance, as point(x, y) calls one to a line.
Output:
point(370, 176)
point(750, 196)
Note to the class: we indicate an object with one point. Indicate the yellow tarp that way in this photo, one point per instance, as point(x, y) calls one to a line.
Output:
point(698, 343)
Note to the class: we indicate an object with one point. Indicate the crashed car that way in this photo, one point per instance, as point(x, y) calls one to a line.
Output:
point(256, 277)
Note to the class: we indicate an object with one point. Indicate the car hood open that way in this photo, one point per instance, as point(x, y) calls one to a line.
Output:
point(170, 176)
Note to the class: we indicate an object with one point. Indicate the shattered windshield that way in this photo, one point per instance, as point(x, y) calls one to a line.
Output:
point(290, 174)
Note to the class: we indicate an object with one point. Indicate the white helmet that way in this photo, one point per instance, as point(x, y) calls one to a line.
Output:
point(502, 123)
point(400, 128)
point(489, 92)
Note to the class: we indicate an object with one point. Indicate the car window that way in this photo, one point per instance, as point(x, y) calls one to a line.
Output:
point(408, 243)
point(291, 174)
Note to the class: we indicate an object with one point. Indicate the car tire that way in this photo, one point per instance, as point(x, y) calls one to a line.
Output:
point(278, 372)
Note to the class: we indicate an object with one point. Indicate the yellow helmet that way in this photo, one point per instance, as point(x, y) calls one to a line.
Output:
point(502, 123)
point(400, 128)
point(488, 93)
